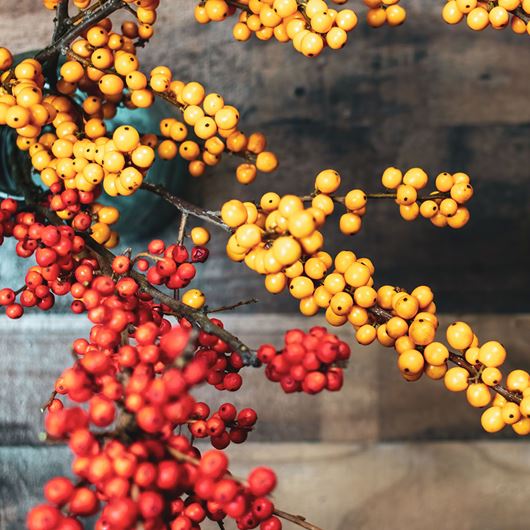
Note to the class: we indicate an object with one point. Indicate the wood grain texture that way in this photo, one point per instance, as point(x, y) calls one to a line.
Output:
point(470, 486)
point(428, 94)
point(374, 404)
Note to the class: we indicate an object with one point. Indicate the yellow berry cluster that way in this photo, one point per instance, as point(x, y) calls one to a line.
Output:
point(497, 14)
point(208, 126)
point(486, 359)
point(443, 207)
point(381, 12)
point(145, 13)
point(310, 25)
point(104, 217)
point(281, 239)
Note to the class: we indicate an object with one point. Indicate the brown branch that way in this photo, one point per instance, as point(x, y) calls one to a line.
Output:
point(44, 407)
point(182, 227)
point(88, 20)
point(184, 206)
point(384, 195)
point(297, 520)
point(519, 12)
point(233, 306)
point(197, 317)
point(62, 21)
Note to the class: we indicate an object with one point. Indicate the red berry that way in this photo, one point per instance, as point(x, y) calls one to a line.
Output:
point(261, 481)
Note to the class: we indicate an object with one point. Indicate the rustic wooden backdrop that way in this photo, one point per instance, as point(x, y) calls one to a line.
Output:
point(390, 454)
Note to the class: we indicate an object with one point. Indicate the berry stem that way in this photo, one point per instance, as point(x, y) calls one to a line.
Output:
point(88, 20)
point(184, 206)
point(233, 306)
point(182, 227)
point(522, 14)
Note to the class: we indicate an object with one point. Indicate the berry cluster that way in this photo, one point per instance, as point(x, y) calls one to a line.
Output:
point(135, 373)
point(309, 362)
point(282, 238)
point(141, 29)
point(383, 12)
point(443, 207)
point(310, 26)
point(55, 250)
point(215, 427)
point(173, 266)
point(498, 14)
point(208, 127)
point(144, 483)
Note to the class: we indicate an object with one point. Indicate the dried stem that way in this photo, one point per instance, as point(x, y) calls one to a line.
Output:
point(296, 519)
point(74, 31)
point(233, 306)
point(384, 195)
point(184, 206)
point(49, 402)
point(196, 317)
point(182, 227)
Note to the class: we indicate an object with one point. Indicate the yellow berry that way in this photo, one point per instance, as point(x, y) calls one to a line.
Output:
point(327, 181)
point(492, 353)
point(199, 235)
point(491, 420)
point(456, 379)
point(459, 335)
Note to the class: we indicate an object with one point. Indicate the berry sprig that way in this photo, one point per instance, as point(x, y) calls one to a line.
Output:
point(282, 239)
point(310, 25)
point(498, 14)
point(309, 362)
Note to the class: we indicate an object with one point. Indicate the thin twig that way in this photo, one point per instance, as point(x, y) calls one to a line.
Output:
point(44, 407)
point(233, 306)
point(296, 519)
point(184, 206)
point(182, 227)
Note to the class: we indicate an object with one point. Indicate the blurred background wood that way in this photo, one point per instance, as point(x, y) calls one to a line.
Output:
point(425, 94)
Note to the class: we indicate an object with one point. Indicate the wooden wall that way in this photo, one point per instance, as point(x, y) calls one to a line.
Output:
point(382, 453)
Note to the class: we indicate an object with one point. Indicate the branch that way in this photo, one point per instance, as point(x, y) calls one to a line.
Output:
point(385, 195)
point(296, 519)
point(195, 316)
point(55, 48)
point(233, 306)
point(522, 14)
point(62, 21)
point(184, 206)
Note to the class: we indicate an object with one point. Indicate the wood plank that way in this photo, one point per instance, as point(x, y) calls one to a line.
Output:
point(471, 485)
point(375, 403)
point(446, 98)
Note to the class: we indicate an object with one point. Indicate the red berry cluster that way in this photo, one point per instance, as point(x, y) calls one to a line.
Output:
point(223, 364)
point(144, 482)
point(69, 201)
point(224, 426)
point(173, 264)
point(54, 248)
point(144, 473)
point(309, 362)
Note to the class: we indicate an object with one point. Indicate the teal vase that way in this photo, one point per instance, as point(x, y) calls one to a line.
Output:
point(141, 214)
